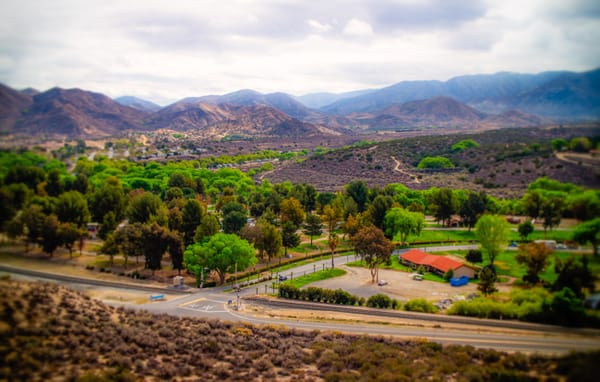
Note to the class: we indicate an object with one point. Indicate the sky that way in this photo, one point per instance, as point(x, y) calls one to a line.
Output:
point(163, 51)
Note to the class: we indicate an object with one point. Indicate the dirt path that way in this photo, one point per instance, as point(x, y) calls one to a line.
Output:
point(585, 160)
point(398, 169)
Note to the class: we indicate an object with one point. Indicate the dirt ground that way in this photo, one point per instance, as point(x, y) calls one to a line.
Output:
point(400, 285)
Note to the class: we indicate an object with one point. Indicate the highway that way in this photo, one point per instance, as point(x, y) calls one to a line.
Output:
point(218, 304)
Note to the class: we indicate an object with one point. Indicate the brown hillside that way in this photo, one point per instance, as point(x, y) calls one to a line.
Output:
point(12, 104)
point(51, 333)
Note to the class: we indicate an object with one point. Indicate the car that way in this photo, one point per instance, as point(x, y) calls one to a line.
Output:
point(382, 282)
point(417, 276)
point(561, 246)
point(513, 245)
point(282, 278)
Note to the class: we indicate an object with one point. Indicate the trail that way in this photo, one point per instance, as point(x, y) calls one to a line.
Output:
point(398, 169)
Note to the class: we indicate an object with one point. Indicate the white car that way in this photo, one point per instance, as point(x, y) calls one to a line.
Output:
point(382, 282)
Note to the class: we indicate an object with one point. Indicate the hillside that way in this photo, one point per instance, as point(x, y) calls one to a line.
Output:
point(51, 333)
point(77, 113)
point(226, 120)
point(138, 103)
point(12, 105)
point(504, 164)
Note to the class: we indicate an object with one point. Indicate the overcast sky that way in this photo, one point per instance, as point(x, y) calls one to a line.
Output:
point(166, 50)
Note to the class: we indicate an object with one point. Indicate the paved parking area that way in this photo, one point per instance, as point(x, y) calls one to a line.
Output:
point(400, 285)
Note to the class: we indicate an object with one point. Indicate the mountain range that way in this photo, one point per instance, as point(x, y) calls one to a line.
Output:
point(496, 100)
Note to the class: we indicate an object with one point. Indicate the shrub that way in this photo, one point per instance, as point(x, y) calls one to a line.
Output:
point(379, 301)
point(449, 274)
point(474, 256)
point(435, 163)
point(420, 305)
point(463, 145)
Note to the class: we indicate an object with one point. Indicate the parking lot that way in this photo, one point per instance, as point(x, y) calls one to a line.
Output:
point(400, 285)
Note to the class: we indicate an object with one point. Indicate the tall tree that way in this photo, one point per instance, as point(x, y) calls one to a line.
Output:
point(403, 222)
point(525, 229)
point(209, 225)
point(155, 241)
point(143, 208)
point(378, 208)
point(492, 232)
point(552, 212)
point(71, 207)
point(472, 208)
point(50, 240)
point(33, 219)
point(332, 215)
point(110, 198)
point(289, 237)
point(191, 217)
point(359, 192)
point(487, 280)
point(129, 239)
point(444, 205)
point(333, 243)
point(373, 247)
point(535, 257)
point(533, 201)
point(69, 234)
point(234, 217)
point(223, 253)
point(272, 240)
point(574, 273)
point(351, 226)
point(313, 226)
point(588, 232)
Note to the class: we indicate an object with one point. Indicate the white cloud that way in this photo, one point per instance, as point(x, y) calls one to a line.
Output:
point(318, 27)
point(358, 28)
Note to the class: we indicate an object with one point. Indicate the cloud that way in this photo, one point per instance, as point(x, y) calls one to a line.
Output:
point(358, 28)
point(166, 51)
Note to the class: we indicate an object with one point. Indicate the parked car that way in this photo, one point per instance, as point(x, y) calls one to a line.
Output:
point(382, 282)
point(282, 278)
point(513, 244)
point(417, 276)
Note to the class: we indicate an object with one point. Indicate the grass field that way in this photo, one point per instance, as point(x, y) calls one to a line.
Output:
point(301, 281)
point(469, 236)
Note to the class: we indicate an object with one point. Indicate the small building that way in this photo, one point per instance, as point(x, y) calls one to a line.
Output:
point(415, 258)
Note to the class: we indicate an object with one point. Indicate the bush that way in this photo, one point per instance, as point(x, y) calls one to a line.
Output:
point(474, 256)
point(449, 274)
point(435, 163)
point(379, 301)
point(463, 145)
point(420, 305)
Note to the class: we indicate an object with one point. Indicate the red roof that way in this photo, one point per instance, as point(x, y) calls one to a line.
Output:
point(441, 263)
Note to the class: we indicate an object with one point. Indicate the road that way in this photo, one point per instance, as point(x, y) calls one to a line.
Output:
point(218, 304)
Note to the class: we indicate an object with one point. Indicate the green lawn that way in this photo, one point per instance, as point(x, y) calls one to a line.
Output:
point(301, 281)
point(468, 236)
point(506, 265)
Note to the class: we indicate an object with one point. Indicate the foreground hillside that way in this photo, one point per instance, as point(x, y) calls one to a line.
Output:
point(48, 332)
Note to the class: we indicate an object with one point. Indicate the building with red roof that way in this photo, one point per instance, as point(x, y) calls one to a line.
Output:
point(415, 258)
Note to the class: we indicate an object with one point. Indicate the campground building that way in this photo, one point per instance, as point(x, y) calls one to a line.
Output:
point(415, 258)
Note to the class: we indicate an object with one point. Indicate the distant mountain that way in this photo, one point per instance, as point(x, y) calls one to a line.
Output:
point(12, 104)
point(30, 91)
point(138, 103)
point(221, 120)
point(552, 94)
point(281, 101)
point(77, 113)
point(319, 100)
point(440, 112)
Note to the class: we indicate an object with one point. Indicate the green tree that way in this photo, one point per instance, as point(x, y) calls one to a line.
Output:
point(313, 226)
point(129, 239)
point(373, 247)
point(535, 257)
point(155, 241)
point(378, 208)
point(69, 234)
point(110, 198)
point(580, 144)
point(331, 216)
point(533, 202)
point(54, 185)
point(272, 240)
point(223, 253)
point(333, 243)
point(33, 219)
point(487, 280)
point(358, 191)
point(525, 229)
point(588, 232)
point(472, 208)
point(289, 236)
point(234, 217)
point(552, 212)
point(209, 225)
point(351, 226)
point(444, 205)
point(50, 239)
point(574, 273)
point(191, 217)
point(559, 144)
point(403, 222)
point(144, 208)
point(585, 205)
point(71, 207)
point(492, 232)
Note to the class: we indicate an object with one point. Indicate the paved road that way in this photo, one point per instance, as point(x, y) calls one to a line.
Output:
point(219, 305)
